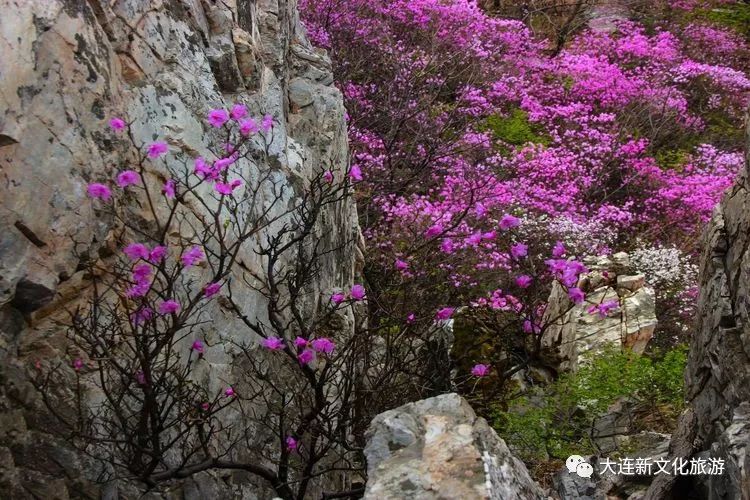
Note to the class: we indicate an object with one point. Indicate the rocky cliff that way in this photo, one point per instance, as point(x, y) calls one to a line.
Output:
point(68, 66)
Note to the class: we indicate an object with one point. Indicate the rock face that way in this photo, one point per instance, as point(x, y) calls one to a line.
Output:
point(579, 331)
point(438, 448)
point(69, 65)
point(717, 421)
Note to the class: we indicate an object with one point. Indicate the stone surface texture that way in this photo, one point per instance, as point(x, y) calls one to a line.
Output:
point(575, 331)
point(438, 448)
point(68, 66)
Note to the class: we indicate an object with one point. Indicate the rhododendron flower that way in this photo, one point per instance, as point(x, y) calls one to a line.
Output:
point(211, 289)
point(306, 357)
point(445, 313)
point(248, 127)
point(138, 290)
point(291, 444)
point(141, 315)
point(337, 298)
point(446, 245)
point(168, 189)
point(218, 117)
point(222, 163)
point(77, 364)
point(604, 308)
point(358, 292)
point(127, 178)
point(157, 254)
point(273, 343)
point(225, 188)
point(192, 256)
point(355, 173)
point(229, 392)
point(157, 149)
point(239, 111)
point(324, 345)
point(267, 123)
point(203, 169)
point(558, 250)
point(480, 370)
point(474, 239)
point(410, 318)
point(142, 272)
point(300, 342)
point(328, 176)
point(433, 231)
point(140, 377)
point(97, 190)
point(519, 250)
point(490, 235)
point(524, 281)
point(197, 347)
point(205, 406)
point(529, 327)
point(509, 222)
point(136, 251)
point(169, 307)
point(576, 295)
point(117, 124)
point(401, 265)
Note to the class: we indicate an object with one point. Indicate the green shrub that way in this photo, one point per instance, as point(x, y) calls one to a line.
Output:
point(515, 129)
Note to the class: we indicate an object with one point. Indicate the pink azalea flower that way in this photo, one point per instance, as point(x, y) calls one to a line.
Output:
point(410, 318)
point(77, 364)
point(529, 327)
point(211, 289)
point(446, 245)
point(337, 298)
point(157, 149)
point(117, 124)
point(291, 444)
point(138, 290)
point(604, 309)
point(169, 307)
point(226, 189)
point(306, 357)
point(433, 231)
point(197, 347)
point(445, 313)
point(203, 169)
point(355, 173)
point(192, 256)
point(205, 406)
point(300, 342)
point(273, 343)
point(323, 345)
point(524, 281)
point(218, 117)
point(358, 292)
point(576, 295)
point(401, 265)
point(140, 377)
point(509, 222)
point(157, 254)
point(141, 315)
point(558, 250)
point(248, 127)
point(474, 240)
point(239, 111)
point(267, 123)
point(97, 190)
point(222, 163)
point(142, 272)
point(168, 189)
point(136, 251)
point(229, 392)
point(328, 176)
point(480, 370)
point(127, 178)
point(519, 250)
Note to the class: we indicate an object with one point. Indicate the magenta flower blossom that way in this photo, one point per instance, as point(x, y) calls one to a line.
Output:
point(604, 309)
point(142, 272)
point(218, 117)
point(401, 265)
point(211, 289)
point(197, 347)
point(576, 295)
point(509, 222)
point(229, 392)
point(205, 406)
point(168, 189)
point(203, 169)
point(480, 370)
point(140, 377)
point(138, 290)
point(291, 444)
point(529, 327)
point(96, 190)
point(239, 111)
point(358, 292)
point(337, 298)
point(127, 178)
point(225, 188)
point(558, 250)
point(141, 316)
point(519, 250)
point(445, 313)
point(355, 173)
point(433, 231)
point(136, 251)
point(157, 254)
point(222, 163)
point(273, 343)
point(117, 124)
point(248, 127)
point(524, 281)
point(410, 318)
point(328, 176)
point(169, 307)
point(267, 123)
point(192, 256)
point(300, 342)
point(157, 149)
point(323, 345)
point(77, 364)
point(306, 357)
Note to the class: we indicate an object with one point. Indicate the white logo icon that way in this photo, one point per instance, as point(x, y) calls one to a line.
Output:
point(577, 464)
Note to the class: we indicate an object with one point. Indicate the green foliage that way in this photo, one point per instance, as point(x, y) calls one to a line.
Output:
point(554, 424)
point(735, 16)
point(515, 129)
point(671, 159)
